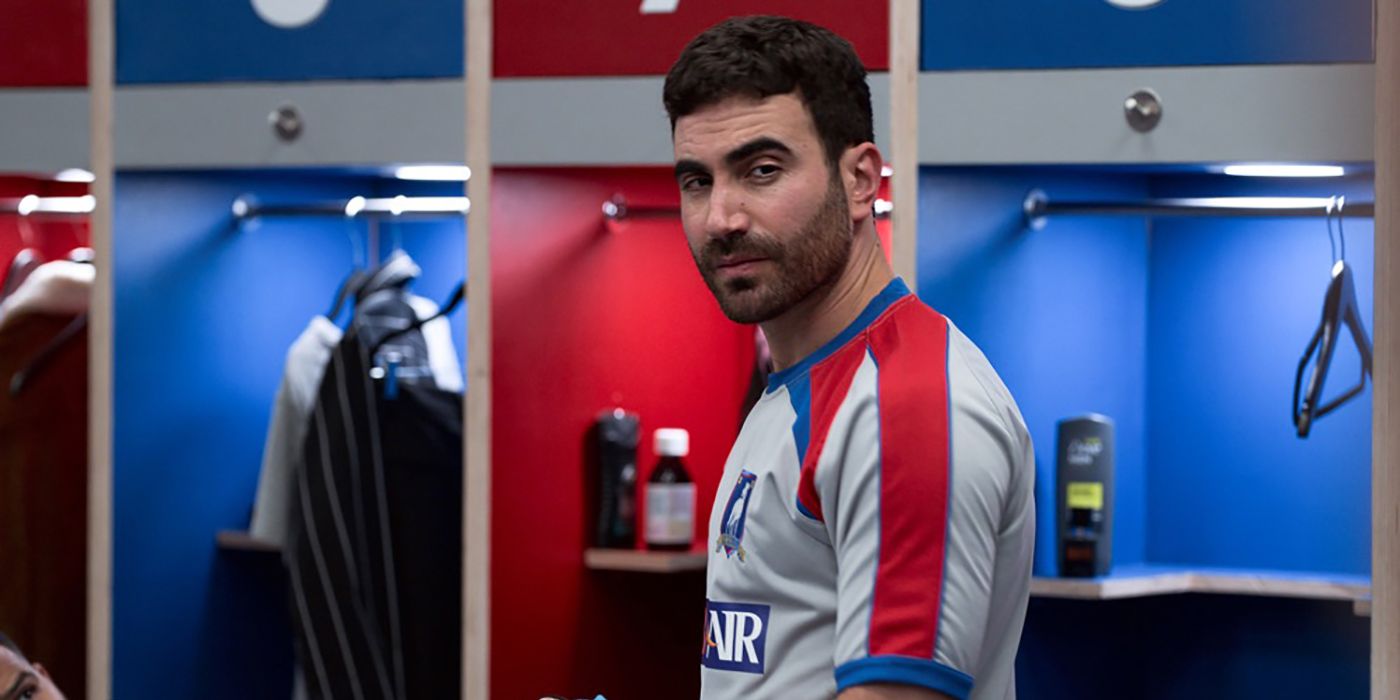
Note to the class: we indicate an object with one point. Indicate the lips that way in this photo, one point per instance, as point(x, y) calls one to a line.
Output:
point(739, 266)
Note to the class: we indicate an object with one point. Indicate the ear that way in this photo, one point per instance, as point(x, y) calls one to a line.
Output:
point(860, 171)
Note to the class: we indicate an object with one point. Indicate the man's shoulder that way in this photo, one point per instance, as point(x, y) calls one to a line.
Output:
point(909, 344)
point(923, 356)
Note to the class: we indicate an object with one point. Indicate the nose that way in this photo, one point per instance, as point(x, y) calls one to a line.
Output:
point(726, 215)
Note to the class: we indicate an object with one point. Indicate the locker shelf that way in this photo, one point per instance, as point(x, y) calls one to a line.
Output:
point(1149, 580)
point(240, 541)
point(643, 561)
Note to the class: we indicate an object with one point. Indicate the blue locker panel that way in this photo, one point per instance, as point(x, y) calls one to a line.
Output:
point(1233, 303)
point(207, 312)
point(1060, 313)
point(203, 41)
point(1030, 34)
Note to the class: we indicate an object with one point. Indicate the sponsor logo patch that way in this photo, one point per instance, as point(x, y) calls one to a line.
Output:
point(735, 634)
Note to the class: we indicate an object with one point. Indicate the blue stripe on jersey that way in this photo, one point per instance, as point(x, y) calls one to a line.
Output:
point(904, 670)
point(800, 395)
point(892, 292)
point(948, 509)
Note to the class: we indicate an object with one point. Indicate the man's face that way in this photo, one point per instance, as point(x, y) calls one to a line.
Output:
point(766, 218)
point(19, 680)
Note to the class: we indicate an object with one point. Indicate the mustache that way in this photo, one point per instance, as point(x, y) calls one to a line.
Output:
point(739, 246)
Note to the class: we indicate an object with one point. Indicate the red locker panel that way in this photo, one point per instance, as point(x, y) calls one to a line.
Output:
point(639, 37)
point(43, 43)
point(589, 315)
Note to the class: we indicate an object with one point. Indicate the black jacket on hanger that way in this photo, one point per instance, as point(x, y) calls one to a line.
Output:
point(375, 565)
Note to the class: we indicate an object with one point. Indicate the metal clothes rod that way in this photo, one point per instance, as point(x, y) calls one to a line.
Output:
point(1037, 206)
point(402, 207)
point(32, 205)
point(617, 209)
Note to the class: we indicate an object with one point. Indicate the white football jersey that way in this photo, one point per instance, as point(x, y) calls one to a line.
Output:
point(875, 522)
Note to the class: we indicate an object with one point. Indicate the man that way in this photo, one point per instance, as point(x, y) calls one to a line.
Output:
point(874, 525)
point(20, 680)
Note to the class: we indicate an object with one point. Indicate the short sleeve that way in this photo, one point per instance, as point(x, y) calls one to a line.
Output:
point(912, 484)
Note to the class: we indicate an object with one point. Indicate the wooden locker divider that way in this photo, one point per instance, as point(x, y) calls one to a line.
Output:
point(476, 496)
point(1385, 411)
point(101, 76)
point(904, 138)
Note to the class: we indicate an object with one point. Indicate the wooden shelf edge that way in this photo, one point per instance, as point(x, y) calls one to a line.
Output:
point(600, 559)
point(1302, 586)
point(1279, 585)
point(240, 541)
point(1110, 588)
point(1362, 607)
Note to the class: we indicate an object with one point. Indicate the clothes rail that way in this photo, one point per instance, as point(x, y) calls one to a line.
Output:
point(247, 207)
point(33, 204)
point(617, 209)
point(1037, 206)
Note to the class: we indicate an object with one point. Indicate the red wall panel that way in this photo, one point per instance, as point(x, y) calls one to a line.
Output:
point(43, 43)
point(587, 316)
point(613, 37)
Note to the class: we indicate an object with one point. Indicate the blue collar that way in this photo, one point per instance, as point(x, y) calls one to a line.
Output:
point(894, 291)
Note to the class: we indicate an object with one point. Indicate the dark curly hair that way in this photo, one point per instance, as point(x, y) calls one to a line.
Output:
point(763, 56)
point(10, 644)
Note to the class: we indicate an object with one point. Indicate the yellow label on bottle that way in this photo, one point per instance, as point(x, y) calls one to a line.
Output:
point(1085, 494)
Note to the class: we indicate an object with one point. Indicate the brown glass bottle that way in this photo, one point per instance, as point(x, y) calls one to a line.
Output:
point(670, 495)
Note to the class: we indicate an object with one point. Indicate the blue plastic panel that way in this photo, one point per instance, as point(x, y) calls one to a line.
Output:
point(1060, 313)
point(203, 41)
point(1029, 34)
point(205, 314)
point(1234, 303)
point(1187, 332)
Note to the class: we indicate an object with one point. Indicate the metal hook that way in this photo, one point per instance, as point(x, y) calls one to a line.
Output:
point(358, 253)
point(615, 209)
point(1033, 209)
point(1341, 233)
point(27, 235)
point(1331, 239)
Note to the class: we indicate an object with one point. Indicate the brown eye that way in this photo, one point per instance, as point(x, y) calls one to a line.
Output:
point(694, 183)
point(766, 171)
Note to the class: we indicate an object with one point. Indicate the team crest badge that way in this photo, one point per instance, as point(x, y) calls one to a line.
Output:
point(731, 535)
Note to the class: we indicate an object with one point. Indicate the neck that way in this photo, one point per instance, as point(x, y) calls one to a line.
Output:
point(803, 329)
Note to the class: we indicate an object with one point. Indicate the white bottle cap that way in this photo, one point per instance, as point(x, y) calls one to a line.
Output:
point(672, 442)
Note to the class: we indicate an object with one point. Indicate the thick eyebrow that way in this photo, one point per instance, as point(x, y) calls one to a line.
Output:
point(755, 147)
point(738, 155)
point(13, 692)
point(690, 167)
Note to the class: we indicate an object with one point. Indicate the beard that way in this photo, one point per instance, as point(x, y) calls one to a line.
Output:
point(812, 260)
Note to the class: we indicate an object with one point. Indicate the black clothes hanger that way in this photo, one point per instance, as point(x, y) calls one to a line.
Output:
point(1338, 307)
point(349, 289)
point(25, 262)
point(458, 294)
point(51, 348)
point(46, 355)
point(351, 285)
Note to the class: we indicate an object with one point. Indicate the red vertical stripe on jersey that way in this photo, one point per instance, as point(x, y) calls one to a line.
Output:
point(831, 381)
point(910, 346)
